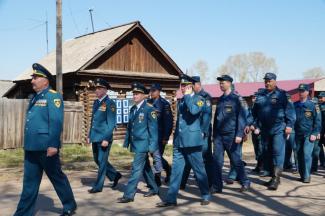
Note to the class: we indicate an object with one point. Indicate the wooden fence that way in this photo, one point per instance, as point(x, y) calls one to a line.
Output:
point(12, 120)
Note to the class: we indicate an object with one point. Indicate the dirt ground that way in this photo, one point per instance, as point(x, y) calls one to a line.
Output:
point(293, 197)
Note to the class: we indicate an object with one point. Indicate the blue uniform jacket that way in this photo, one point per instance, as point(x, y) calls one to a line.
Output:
point(322, 109)
point(188, 127)
point(206, 114)
point(44, 121)
point(164, 117)
point(308, 118)
point(103, 120)
point(230, 115)
point(274, 111)
point(142, 129)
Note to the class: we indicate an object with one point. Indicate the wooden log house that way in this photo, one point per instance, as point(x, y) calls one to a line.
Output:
point(122, 55)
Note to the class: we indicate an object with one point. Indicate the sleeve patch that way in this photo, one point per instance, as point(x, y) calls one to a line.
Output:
point(57, 103)
point(200, 103)
point(154, 114)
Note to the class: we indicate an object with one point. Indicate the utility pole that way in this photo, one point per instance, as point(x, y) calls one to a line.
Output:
point(91, 18)
point(59, 46)
point(47, 34)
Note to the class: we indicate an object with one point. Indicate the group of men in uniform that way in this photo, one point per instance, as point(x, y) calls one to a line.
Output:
point(281, 129)
point(275, 122)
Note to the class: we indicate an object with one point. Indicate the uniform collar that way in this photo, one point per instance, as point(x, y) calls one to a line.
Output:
point(139, 104)
point(43, 91)
point(101, 99)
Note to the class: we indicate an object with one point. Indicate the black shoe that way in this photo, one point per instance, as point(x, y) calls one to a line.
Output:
point(150, 194)
point(244, 188)
point(69, 212)
point(92, 190)
point(124, 200)
point(158, 179)
point(294, 170)
point(269, 182)
point(205, 202)
point(306, 180)
point(256, 170)
point(214, 191)
point(229, 181)
point(166, 204)
point(117, 178)
point(276, 179)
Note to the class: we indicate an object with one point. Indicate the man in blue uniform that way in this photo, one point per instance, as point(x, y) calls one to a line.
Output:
point(232, 175)
point(165, 127)
point(187, 144)
point(228, 132)
point(275, 112)
point(142, 138)
point(256, 140)
point(317, 146)
point(321, 100)
point(307, 128)
point(43, 127)
point(206, 128)
point(101, 135)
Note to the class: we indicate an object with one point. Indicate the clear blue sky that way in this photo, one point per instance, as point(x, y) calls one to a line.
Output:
point(291, 31)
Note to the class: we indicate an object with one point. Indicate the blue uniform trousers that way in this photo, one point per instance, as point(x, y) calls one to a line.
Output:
point(290, 148)
point(104, 167)
point(232, 172)
point(321, 155)
point(222, 143)
point(304, 149)
point(273, 150)
point(157, 161)
point(193, 156)
point(34, 164)
point(315, 156)
point(208, 163)
point(164, 162)
point(140, 165)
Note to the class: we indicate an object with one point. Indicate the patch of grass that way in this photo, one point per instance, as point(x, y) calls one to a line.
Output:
point(73, 156)
point(11, 158)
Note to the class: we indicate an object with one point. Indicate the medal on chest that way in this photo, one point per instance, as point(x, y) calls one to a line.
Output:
point(102, 107)
point(141, 117)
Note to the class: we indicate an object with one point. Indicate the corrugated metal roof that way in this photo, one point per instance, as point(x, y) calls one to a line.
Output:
point(78, 51)
point(248, 89)
point(5, 85)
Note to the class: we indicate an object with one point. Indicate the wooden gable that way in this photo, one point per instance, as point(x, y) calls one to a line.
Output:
point(134, 53)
